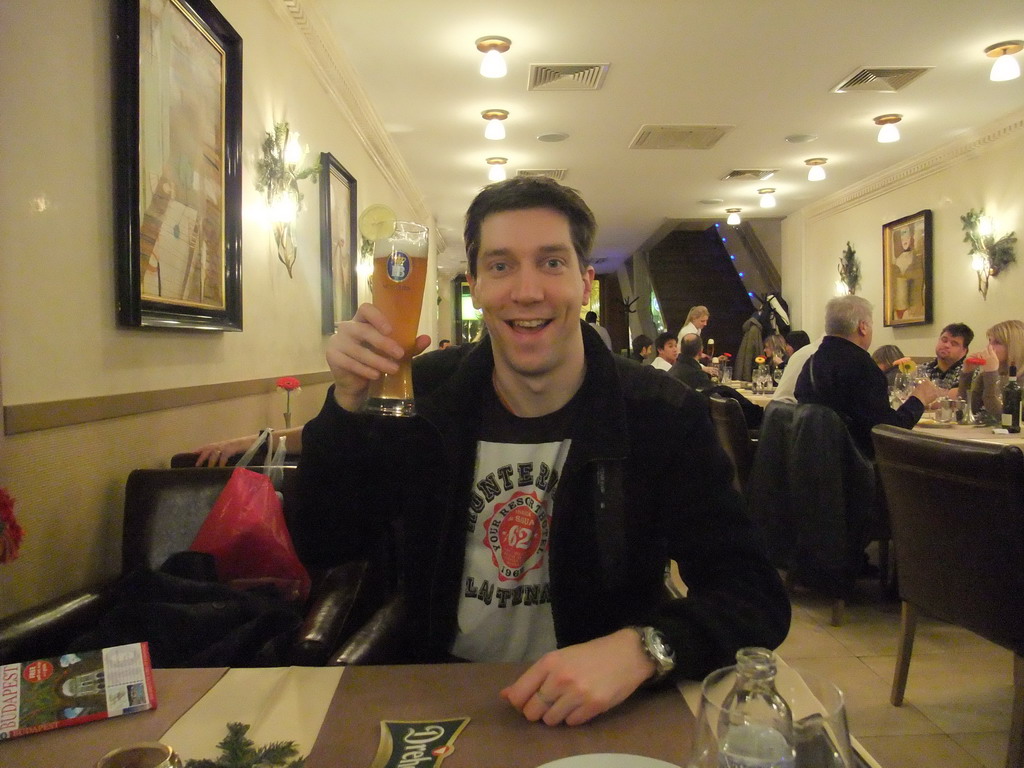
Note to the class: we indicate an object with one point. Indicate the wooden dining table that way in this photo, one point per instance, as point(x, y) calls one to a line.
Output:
point(656, 723)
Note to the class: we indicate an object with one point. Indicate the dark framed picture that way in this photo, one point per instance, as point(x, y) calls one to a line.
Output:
point(338, 251)
point(907, 270)
point(177, 166)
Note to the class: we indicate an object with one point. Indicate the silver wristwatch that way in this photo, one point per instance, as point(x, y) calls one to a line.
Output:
point(655, 645)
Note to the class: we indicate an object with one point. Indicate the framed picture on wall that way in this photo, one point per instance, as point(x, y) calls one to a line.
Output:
point(907, 270)
point(177, 166)
point(337, 242)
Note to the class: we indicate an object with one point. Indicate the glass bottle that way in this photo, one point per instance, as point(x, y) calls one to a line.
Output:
point(756, 724)
point(1011, 403)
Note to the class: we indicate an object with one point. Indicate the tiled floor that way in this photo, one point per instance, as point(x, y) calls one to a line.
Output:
point(956, 709)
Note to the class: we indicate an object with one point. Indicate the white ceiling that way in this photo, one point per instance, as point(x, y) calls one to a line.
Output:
point(766, 67)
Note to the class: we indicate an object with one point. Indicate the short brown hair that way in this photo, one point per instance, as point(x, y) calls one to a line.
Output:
point(522, 193)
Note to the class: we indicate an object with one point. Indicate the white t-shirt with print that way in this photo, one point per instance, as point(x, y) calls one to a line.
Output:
point(505, 602)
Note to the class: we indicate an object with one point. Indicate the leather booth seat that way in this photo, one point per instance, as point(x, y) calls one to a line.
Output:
point(163, 511)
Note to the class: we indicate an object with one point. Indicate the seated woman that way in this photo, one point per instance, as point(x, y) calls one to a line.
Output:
point(775, 351)
point(1005, 348)
point(885, 358)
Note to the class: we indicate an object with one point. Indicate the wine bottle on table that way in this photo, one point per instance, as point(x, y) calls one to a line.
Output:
point(1011, 403)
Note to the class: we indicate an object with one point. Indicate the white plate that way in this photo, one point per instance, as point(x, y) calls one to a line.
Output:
point(608, 760)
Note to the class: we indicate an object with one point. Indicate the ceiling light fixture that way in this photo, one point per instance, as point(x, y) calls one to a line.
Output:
point(495, 128)
point(1005, 67)
point(497, 169)
point(767, 197)
point(492, 47)
point(816, 172)
point(888, 132)
point(734, 216)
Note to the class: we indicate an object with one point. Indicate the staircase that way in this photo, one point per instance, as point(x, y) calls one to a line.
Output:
point(693, 267)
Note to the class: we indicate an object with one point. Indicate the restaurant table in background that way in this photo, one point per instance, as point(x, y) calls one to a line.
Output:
point(654, 723)
point(976, 433)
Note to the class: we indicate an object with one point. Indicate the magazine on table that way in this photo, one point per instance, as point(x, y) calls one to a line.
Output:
point(75, 688)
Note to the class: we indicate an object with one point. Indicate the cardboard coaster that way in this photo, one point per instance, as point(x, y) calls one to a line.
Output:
point(418, 743)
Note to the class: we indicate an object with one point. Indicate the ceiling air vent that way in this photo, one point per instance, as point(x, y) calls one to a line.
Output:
point(750, 174)
point(555, 173)
point(678, 136)
point(880, 79)
point(567, 77)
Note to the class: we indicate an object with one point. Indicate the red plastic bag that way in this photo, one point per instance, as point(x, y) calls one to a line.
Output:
point(247, 536)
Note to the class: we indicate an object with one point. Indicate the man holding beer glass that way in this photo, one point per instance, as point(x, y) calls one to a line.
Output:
point(543, 485)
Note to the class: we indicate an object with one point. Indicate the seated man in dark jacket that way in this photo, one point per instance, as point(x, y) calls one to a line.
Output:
point(542, 487)
point(842, 375)
point(687, 367)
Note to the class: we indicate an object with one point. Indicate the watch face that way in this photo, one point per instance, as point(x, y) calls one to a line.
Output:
point(660, 645)
point(660, 648)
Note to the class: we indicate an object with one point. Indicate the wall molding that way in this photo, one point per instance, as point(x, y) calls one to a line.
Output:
point(971, 144)
point(341, 81)
point(31, 417)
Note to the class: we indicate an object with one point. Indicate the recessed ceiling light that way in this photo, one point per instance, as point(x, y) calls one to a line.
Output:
point(552, 137)
point(800, 138)
point(712, 201)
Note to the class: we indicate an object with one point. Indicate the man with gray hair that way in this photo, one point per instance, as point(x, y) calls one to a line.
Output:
point(842, 375)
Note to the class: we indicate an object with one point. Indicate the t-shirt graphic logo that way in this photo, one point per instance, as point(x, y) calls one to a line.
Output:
point(517, 535)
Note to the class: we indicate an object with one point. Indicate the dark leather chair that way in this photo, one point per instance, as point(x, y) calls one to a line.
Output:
point(813, 493)
point(731, 428)
point(957, 515)
point(163, 511)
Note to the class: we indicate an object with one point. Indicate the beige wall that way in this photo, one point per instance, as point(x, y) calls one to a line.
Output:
point(984, 169)
point(58, 337)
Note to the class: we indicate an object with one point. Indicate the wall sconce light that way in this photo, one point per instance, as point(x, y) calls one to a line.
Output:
point(1005, 67)
point(849, 272)
point(492, 47)
point(495, 127)
point(989, 256)
point(767, 197)
point(278, 177)
point(888, 132)
point(816, 171)
point(497, 169)
point(734, 216)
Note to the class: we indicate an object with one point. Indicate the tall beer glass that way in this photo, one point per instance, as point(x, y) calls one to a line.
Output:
point(399, 276)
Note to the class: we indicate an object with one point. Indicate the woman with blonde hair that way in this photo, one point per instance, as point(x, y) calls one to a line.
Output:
point(775, 350)
point(1005, 348)
point(696, 319)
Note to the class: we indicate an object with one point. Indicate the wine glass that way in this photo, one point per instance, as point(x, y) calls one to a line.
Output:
point(821, 736)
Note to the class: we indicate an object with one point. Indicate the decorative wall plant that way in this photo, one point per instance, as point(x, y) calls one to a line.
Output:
point(849, 269)
point(278, 176)
point(989, 256)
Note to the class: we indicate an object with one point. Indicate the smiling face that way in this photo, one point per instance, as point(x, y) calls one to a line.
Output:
point(530, 288)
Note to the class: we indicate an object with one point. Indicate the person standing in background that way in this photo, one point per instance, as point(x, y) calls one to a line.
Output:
point(696, 321)
point(591, 320)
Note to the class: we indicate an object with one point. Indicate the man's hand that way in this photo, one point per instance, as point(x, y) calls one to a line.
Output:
point(360, 351)
point(575, 684)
